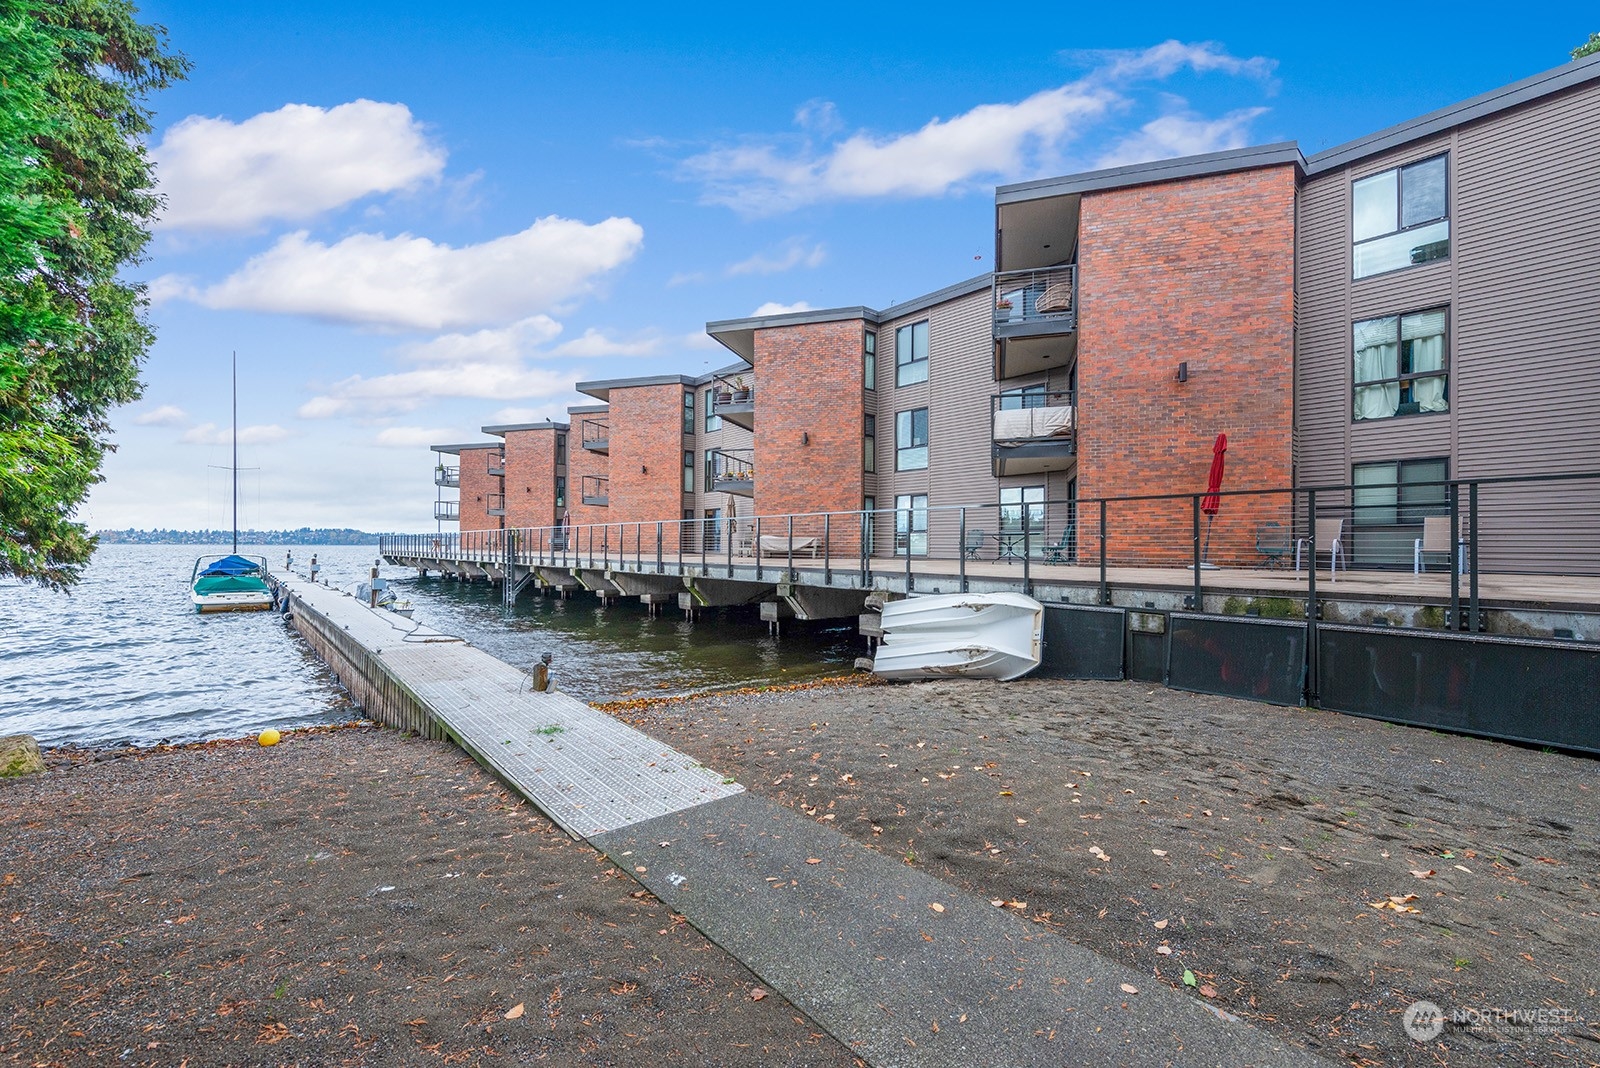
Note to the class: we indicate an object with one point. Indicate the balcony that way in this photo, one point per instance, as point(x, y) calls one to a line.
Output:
point(448, 477)
point(497, 465)
point(734, 400)
point(1035, 319)
point(596, 491)
point(1032, 431)
point(597, 436)
point(497, 504)
point(448, 510)
point(734, 471)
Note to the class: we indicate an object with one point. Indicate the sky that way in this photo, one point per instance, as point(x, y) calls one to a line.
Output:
point(410, 221)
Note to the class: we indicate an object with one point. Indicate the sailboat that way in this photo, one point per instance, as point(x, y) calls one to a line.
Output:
point(230, 582)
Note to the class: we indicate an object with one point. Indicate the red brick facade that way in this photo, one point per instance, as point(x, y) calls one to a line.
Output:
point(1198, 271)
point(647, 446)
point(808, 425)
point(477, 485)
point(581, 463)
point(531, 473)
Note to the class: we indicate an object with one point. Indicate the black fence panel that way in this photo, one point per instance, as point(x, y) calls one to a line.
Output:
point(1081, 642)
point(1258, 659)
point(1516, 689)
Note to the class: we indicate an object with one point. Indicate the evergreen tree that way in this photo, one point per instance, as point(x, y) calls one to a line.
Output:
point(76, 202)
point(1588, 48)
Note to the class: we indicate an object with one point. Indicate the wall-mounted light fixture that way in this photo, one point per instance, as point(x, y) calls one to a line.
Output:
point(1183, 371)
point(643, 470)
point(805, 438)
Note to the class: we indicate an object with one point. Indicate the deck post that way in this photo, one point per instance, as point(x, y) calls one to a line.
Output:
point(1313, 661)
point(1027, 551)
point(827, 550)
point(961, 553)
point(1105, 587)
point(1456, 622)
point(1195, 522)
point(1472, 556)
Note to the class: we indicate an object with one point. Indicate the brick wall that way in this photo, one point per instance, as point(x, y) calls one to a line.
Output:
point(581, 462)
point(647, 444)
point(1199, 270)
point(808, 426)
point(531, 477)
point(476, 486)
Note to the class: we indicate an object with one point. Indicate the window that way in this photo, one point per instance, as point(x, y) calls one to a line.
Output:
point(911, 440)
point(1024, 397)
point(868, 506)
point(711, 469)
point(869, 444)
point(1022, 508)
point(711, 530)
point(869, 361)
point(561, 491)
point(911, 524)
point(1400, 365)
point(713, 421)
point(561, 450)
point(688, 470)
point(1401, 217)
point(1389, 502)
point(688, 411)
point(911, 354)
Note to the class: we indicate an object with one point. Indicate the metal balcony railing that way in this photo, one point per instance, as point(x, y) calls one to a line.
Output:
point(1024, 415)
point(497, 464)
point(1046, 294)
point(594, 490)
point(733, 471)
point(448, 477)
point(450, 510)
point(597, 435)
point(497, 504)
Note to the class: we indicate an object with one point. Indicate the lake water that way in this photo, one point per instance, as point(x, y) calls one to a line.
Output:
point(125, 659)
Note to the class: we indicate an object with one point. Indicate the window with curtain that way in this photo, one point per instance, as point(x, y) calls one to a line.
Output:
point(911, 354)
point(1400, 217)
point(688, 471)
point(911, 440)
point(1401, 365)
point(713, 421)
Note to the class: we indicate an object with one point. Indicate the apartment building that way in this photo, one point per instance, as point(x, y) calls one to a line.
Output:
point(1412, 306)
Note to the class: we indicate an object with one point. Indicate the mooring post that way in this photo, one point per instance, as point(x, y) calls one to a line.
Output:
point(372, 586)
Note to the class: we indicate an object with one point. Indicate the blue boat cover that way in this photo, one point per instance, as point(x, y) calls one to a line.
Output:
point(232, 565)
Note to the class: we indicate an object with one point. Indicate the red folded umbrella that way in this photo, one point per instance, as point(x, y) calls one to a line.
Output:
point(1211, 504)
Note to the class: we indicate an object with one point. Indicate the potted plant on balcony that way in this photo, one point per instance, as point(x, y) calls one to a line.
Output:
point(1002, 308)
point(741, 390)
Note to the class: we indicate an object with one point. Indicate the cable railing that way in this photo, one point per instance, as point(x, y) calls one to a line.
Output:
point(1438, 541)
point(1045, 294)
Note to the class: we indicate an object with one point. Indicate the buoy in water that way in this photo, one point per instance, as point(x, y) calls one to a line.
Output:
point(269, 737)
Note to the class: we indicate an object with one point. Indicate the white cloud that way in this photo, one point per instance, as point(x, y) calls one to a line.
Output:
point(211, 434)
point(413, 437)
point(294, 163)
point(170, 287)
point(595, 343)
point(497, 345)
point(772, 307)
point(699, 339)
point(1182, 135)
point(409, 282)
point(990, 142)
point(409, 390)
point(683, 278)
point(792, 253)
point(166, 415)
point(557, 412)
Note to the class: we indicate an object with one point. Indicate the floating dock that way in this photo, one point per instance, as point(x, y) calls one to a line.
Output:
point(844, 932)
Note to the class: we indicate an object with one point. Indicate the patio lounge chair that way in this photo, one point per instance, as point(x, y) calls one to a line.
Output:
point(1064, 551)
point(1435, 541)
point(778, 545)
point(1330, 540)
point(973, 544)
point(1272, 541)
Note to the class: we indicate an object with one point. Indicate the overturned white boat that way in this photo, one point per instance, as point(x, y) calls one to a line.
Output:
point(974, 635)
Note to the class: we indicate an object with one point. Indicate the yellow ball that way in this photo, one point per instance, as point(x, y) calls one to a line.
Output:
point(269, 737)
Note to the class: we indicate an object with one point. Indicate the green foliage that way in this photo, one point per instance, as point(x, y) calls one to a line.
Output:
point(1588, 48)
point(76, 201)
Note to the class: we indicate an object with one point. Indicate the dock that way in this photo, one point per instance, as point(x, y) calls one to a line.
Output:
point(844, 932)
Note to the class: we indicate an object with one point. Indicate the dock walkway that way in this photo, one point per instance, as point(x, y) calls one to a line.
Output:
point(900, 967)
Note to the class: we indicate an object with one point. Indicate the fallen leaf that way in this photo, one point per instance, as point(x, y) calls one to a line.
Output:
point(1159, 852)
point(1430, 873)
point(1208, 991)
point(1161, 925)
point(1129, 988)
point(1006, 793)
point(935, 906)
point(418, 1022)
point(1165, 951)
point(1188, 978)
point(813, 860)
point(1541, 860)
point(998, 902)
point(1462, 867)
point(757, 994)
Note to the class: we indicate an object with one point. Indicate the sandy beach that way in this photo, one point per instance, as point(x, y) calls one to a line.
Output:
point(354, 896)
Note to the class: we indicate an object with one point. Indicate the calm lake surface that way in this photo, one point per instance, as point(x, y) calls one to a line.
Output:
point(125, 659)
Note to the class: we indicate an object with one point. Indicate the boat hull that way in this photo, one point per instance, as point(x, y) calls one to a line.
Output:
point(984, 636)
point(234, 603)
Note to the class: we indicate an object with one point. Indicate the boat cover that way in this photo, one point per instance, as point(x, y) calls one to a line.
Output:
point(209, 583)
point(232, 565)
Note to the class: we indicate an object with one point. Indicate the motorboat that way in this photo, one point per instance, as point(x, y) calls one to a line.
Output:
point(230, 583)
point(971, 635)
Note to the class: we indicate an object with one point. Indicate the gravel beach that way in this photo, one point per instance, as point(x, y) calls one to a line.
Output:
point(355, 896)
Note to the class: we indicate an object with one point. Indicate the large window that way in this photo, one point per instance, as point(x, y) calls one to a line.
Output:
point(911, 440)
point(713, 421)
point(911, 524)
point(1401, 365)
point(1401, 217)
point(688, 471)
point(911, 354)
point(561, 491)
point(869, 443)
point(561, 450)
point(1390, 501)
point(1022, 508)
point(688, 411)
point(869, 360)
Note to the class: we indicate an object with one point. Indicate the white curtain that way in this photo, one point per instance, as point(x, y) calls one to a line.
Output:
point(1377, 347)
point(1426, 334)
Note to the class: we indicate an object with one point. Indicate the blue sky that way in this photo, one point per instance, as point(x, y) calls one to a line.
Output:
point(411, 221)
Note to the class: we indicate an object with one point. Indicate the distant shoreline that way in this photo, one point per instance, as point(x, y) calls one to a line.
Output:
point(302, 536)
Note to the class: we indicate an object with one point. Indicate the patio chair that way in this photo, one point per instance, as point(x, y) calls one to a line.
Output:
point(1272, 541)
point(974, 543)
point(1330, 540)
point(1064, 551)
point(1435, 541)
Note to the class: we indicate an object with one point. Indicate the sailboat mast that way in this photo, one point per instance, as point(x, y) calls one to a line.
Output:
point(236, 452)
